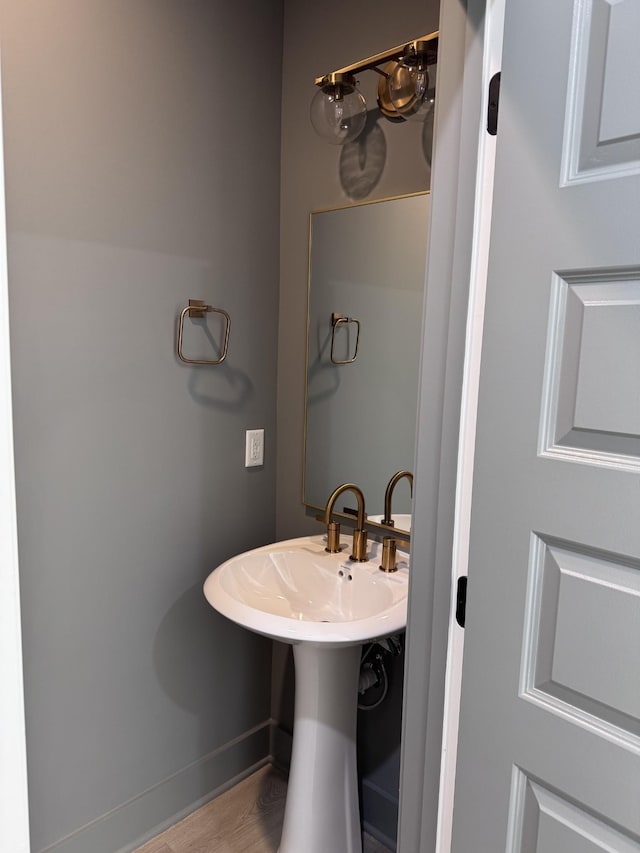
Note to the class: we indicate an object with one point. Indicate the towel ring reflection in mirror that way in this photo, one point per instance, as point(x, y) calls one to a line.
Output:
point(338, 320)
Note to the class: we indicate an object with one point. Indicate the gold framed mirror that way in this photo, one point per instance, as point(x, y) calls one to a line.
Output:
point(365, 295)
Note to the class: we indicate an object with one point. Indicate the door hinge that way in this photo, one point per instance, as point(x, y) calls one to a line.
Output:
point(461, 601)
point(492, 106)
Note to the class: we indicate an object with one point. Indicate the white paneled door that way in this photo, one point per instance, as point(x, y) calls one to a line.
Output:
point(549, 749)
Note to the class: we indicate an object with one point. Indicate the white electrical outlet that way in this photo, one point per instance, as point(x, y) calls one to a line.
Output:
point(254, 448)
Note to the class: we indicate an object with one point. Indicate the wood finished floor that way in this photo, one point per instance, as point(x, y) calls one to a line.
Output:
point(245, 819)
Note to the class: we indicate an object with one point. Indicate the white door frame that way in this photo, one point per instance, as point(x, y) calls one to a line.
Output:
point(492, 62)
point(462, 185)
point(14, 816)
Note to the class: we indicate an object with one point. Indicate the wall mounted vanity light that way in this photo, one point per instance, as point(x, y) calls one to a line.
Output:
point(338, 109)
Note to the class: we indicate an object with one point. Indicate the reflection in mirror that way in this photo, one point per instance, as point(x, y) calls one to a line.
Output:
point(366, 287)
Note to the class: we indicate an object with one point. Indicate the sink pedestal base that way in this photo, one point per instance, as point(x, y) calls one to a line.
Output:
point(322, 813)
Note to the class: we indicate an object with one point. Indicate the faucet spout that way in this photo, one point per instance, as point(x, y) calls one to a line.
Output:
point(359, 551)
point(388, 517)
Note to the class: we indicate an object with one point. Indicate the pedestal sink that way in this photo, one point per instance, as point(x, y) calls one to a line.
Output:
point(326, 606)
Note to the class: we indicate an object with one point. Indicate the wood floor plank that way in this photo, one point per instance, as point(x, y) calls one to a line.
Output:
point(245, 819)
point(246, 815)
point(154, 846)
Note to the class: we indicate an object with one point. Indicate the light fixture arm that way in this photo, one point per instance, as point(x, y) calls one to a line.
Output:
point(416, 54)
point(336, 78)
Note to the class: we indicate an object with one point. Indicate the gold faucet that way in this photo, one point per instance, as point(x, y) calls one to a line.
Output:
point(388, 519)
point(333, 528)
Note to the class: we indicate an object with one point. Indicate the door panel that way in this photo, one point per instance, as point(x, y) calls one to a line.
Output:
point(602, 138)
point(583, 668)
point(593, 346)
point(549, 747)
point(542, 821)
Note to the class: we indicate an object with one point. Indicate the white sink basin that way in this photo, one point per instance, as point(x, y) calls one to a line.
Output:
point(296, 592)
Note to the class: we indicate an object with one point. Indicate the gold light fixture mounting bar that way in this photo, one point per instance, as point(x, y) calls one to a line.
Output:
point(371, 62)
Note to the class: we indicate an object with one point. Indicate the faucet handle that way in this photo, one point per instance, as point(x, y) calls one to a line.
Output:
point(333, 534)
point(389, 557)
point(333, 537)
point(359, 546)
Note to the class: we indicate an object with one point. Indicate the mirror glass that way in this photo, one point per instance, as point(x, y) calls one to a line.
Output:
point(366, 288)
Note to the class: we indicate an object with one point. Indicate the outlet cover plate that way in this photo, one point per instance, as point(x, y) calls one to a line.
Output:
point(254, 448)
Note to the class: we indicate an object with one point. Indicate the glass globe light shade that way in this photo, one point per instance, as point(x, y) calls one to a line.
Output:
point(409, 90)
point(338, 112)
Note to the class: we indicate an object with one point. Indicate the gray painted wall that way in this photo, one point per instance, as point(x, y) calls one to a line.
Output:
point(311, 180)
point(132, 186)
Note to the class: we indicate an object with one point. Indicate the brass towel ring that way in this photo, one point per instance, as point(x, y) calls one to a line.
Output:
point(197, 308)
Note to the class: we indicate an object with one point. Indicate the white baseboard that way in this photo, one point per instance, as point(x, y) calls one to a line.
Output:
point(131, 824)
